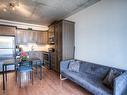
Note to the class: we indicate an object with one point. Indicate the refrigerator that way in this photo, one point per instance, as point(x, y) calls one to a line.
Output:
point(7, 51)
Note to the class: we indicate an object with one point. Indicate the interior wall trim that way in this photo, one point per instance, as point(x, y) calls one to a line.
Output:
point(85, 5)
point(23, 25)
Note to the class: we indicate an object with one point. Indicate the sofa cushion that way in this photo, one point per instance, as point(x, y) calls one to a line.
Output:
point(94, 69)
point(89, 82)
point(74, 66)
point(111, 75)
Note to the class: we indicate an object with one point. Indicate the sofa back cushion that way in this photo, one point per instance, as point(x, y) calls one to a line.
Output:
point(94, 69)
point(111, 75)
point(74, 66)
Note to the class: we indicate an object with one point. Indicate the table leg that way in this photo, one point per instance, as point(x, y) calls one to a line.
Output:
point(6, 73)
point(15, 73)
point(3, 79)
point(36, 70)
point(40, 72)
point(32, 77)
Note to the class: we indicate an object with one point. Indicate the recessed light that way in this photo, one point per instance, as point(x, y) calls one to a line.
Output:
point(13, 8)
point(4, 10)
point(18, 7)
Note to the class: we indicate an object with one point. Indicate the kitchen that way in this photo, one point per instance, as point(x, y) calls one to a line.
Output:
point(34, 42)
point(49, 44)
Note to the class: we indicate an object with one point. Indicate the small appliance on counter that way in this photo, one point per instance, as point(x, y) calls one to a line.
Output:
point(51, 50)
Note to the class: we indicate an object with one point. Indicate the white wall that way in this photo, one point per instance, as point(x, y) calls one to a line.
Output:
point(101, 33)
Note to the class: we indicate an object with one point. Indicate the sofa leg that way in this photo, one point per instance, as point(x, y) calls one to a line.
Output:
point(62, 78)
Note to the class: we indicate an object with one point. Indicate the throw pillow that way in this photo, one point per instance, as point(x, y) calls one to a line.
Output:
point(109, 79)
point(74, 66)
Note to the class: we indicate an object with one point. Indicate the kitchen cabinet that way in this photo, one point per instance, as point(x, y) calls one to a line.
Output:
point(52, 42)
point(51, 35)
point(30, 36)
point(7, 30)
point(21, 37)
point(63, 42)
point(42, 38)
point(45, 39)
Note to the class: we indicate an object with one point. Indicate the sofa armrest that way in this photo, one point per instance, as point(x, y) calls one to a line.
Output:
point(120, 85)
point(64, 65)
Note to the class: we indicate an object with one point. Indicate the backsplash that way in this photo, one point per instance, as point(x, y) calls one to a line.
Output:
point(34, 47)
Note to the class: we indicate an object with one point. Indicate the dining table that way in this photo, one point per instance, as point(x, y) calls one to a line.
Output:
point(36, 63)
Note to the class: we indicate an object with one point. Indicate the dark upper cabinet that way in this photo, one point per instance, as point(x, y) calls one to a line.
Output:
point(42, 38)
point(7, 30)
point(51, 34)
point(63, 32)
point(21, 37)
point(34, 36)
point(30, 36)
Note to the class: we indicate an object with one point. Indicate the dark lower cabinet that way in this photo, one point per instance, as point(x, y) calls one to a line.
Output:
point(63, 33)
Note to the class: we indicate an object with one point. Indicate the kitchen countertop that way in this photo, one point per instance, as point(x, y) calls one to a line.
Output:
point(36, 51)
point(34, 58)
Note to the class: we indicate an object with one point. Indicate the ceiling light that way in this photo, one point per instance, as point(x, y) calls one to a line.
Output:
point(18, 6)
point(11, 5)
point(13, 8)
point(4, 9)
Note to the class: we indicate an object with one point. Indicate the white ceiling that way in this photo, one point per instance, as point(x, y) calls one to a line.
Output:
point(43, 11)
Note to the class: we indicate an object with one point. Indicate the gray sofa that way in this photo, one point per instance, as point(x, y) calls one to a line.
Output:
point(90, 77)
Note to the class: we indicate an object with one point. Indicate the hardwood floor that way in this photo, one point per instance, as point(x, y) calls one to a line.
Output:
point(49, 85)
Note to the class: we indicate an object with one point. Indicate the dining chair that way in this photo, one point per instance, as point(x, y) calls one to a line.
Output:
point(37, 67)
point(24, 67)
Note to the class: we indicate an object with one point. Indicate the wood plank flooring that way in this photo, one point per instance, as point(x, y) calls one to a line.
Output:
point(49, 85)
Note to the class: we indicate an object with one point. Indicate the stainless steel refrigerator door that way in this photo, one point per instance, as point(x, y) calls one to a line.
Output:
point(7, 42)
point(7, 50)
